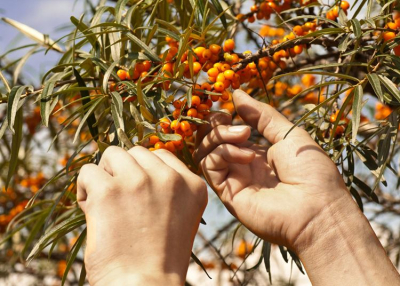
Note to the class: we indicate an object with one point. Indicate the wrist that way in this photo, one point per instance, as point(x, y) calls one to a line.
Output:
point(339, 247)
point(142, 278)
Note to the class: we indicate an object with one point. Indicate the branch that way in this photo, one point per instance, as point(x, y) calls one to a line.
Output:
point(270, 51)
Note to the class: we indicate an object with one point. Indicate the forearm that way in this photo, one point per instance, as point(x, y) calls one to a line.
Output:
point(342, 249)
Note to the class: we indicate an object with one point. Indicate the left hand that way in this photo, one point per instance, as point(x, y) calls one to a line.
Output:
point(143, 210)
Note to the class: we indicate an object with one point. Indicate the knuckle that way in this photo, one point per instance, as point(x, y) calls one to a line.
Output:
point(162, 152)
point(174, 176)
point(110, 151)
point(84, 172)
point(136, 149)
point(200, 190)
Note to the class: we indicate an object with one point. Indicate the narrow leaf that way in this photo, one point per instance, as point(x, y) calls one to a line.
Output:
point(15, 145)
point(357, 106)
point(34, 35)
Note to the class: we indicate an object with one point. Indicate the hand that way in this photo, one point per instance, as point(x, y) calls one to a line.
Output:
point(143, 210)
point(278, 191)
point(291, 194)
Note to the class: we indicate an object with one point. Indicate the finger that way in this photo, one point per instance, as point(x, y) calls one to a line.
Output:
point(146, 159)
point(172, 161)
point(117, 162)
point(220, 135)
point(90, 178)
point(267, 120)
point(215, 119)
point(218, 164)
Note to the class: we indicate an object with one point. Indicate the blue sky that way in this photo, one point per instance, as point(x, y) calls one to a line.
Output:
point(46, 16)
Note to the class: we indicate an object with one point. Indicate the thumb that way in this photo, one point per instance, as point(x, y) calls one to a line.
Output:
point(267, 120)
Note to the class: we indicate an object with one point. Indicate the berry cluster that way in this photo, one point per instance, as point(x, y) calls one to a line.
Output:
point(390, 35)
point(333, 14)
point(269, 7)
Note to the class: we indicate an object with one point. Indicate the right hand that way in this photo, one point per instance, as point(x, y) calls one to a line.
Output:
point(277, 192)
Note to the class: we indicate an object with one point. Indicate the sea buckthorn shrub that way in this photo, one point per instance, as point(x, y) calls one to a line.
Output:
point(148, 73)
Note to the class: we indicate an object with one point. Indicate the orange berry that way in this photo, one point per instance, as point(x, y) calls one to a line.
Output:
point(196, 67)
point(178, 144)
point(203, 108)
point(154, 139)
point(209, 103)
point(387, 36)
point(143, 74)
point(192, 112)
point(344, 5)
point(188, 132)
point(152, 149)
point(240, 17)
point(200, 116)
point(140, 67)
point(219, 86)
point(159, 145)
point(215, 49)
point(207, 54)
point(166, 130)
point(199, 51)
point(252, 65)
point(330, 16)
point(282, 65)
point(251, 19)
point(221, 77)
point(170, 147)
point(177, 104)
point(213, 72)
point(196, 100)
point(298, 49)
point(235, 84)
point(206, 86)
point(173, 51)
point(167, 67)
point(214, 98)
point(298, 30)
point(225, 67)
point(135, 74)
point(225, 95)
point(176, 113)
point(164, 122)
point(335, 11)
point(175, 125)
point(254, 8)
point(146, 65)
point(392, 25)
point(397, 50)
point(122, 74)
point(333, 117)
point(229, 74)
point(227, 83)
point(185, 125)
point(229, 45)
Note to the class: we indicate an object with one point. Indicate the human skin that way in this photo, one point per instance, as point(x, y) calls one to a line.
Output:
point(291, 194)
point(143, 210)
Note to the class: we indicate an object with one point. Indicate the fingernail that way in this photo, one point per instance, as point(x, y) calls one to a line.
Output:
point(237, 129)
point(247, 151)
